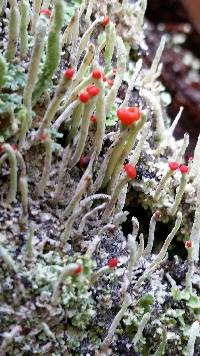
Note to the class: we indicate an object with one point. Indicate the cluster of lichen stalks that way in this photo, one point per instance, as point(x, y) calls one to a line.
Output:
point(83, 97)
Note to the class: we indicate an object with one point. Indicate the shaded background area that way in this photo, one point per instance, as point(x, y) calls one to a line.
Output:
point(179, 75)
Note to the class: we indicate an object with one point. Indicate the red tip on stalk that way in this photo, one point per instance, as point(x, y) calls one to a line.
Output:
point(173, 166)
point(43, 137)
point(128, 115)
point(188, 244)
point(113, 262)
point(84, 97)
point(92, 90)
point(183, 169)
point(110, 82)
point(14, 147)
point(104, 78)
point(1, 148)
point(96, 74)
point(114, 70)
point(84, 161)
point(106, 21)
point(157, 215)
point(45, 12)
point(130, 170)
point(69, 73)
point(93, 119)
point(78, 269)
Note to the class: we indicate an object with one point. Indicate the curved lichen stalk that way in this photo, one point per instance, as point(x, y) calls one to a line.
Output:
point(53, 52)
point(3, 71)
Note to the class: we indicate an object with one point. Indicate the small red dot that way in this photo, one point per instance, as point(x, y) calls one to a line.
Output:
point(188, 244)
point(110, 82)
point(93, 119)
point(78, 269)
point(183, 169)
point(106, 21)
point(130, 170)
point(45, 12)
point(173, 166)
point(84, 97)
point(92, 90)
point(113, 262)
point(69, 73)
point(96, 74)
point(157, 215)
point(128, 115)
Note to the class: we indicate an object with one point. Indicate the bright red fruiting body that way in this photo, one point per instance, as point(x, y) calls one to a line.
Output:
point(130, 170)
point(84, 97)
point(92, 90)
point(96, 74)
point(106, 21)
point(110, 82)
point(183, 169)
point(173, 166)
point(45, 12)
point(43, 137)
point(93, 119)
point(113, 262)
point(84, 161)
point(188, 244)
point(69, 73)
point(128, 115)
point(78, 269)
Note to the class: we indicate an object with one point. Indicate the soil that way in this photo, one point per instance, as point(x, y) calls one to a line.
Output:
point(180, 79)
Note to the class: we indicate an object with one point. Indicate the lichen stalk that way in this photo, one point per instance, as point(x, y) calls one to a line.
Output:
point(35, 14)
point(195, 233)
point(130, 141)
point(151, 235)
point(100, 116)
point(70, 269)
point(34, 64)
point(153, 102)
point(159, 258)
point(142, 324)
point(13, 30)
point(7, 258)
point(121, 68)
point(110, 45)
point(84, 40)
point(23, 184)
point(47, 167)
point(13, 172)
point(53, 107)
point(3, 71)
point(189, 274)
point(88, 110)
point(194, 332)
point(53, 52)
point(108, 339)
point(179, 194)
point(25, 18)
